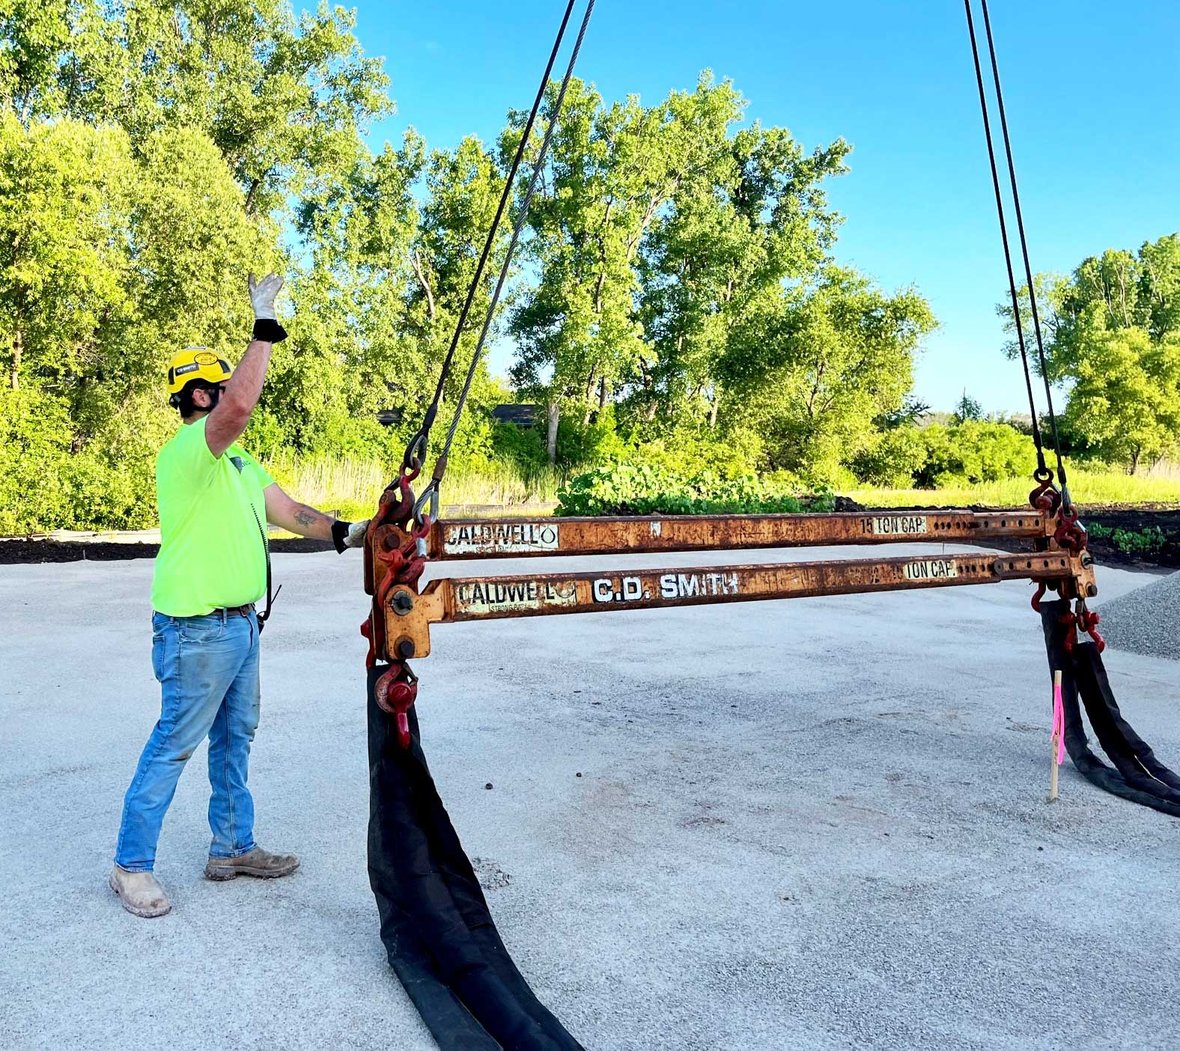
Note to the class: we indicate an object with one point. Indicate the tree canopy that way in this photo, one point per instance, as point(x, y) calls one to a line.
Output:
point(1112, 342)
point(685, 280)
point(677, 284)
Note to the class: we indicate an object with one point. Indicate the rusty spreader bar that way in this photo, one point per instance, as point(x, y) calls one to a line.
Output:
point(517, 538)
point(408, 616)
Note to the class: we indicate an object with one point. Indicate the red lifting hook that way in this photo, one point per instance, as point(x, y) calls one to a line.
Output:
point(396, 695)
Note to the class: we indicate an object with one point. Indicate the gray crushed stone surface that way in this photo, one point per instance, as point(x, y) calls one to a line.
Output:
point(799, 826)
point(1146, 620)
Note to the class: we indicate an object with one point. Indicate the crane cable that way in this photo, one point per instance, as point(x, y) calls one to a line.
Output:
point(431, 492)
point(416, 448)
point(1042, 473)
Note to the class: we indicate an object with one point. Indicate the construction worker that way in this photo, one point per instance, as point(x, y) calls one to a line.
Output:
point(213, 498)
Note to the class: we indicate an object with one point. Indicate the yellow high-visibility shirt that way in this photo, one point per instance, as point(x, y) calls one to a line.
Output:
point(212, 522)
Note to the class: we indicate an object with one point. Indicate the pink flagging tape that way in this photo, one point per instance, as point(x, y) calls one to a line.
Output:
point(1059, 722)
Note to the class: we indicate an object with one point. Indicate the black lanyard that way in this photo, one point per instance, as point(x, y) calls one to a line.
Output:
point(262, 617)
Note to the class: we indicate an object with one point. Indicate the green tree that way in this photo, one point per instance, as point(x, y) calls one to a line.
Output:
point(812, 369)
point(65, 192)
point(33, 36)
point(462, 191)
point(967, 408)
point(655, 229)
point(1124, 399)
point(606, 177)
point(283, 97)
point(110, 260)
point(1112, 333)
point(349, 354)
point(748, 213)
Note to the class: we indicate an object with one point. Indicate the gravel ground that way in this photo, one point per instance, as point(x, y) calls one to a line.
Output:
point(1147, 621)
point(800, 825)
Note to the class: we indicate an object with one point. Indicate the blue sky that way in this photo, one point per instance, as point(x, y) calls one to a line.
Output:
point(1092, 90)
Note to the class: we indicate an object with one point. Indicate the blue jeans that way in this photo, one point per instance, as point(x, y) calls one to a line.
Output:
point(208, 673)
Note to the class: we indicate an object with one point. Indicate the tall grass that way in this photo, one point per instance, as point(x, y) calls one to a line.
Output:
point(502, 484)
point(1088, 488)
point(351, 487)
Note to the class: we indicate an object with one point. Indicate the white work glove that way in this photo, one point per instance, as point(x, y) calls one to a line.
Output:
point(349, 534)
point(356, 534)
point(262, 295)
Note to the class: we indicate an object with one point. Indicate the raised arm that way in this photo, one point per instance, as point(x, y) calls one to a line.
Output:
point(242, 390)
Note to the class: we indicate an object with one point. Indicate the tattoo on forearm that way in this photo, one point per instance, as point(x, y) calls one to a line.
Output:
point(307, 517)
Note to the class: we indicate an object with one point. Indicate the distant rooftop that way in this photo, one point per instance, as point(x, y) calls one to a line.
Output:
point(521, 415)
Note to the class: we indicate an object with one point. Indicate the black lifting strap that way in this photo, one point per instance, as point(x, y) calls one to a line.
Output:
point(1137, 774)
point(438, 932)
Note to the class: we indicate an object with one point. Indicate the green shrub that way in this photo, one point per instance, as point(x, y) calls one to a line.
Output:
point(892, 459)
point(523, 446)
point(579, 444)
point(106, 495)
point(1149, 541)
point(829, 475)
point(34, 459)
point(696, 450)
point(974, 451)
point(645, 489)
point(941, 456)
point(689, 452)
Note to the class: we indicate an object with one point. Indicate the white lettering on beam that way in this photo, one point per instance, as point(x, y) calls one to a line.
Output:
point(619, 589)
point(899, 525)
point(931, 569)
point(672, 586)
point(500, 538)
point(696, 585)
point(484, 597)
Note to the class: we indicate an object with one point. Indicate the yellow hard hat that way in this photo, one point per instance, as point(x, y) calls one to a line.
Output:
point(196, 363)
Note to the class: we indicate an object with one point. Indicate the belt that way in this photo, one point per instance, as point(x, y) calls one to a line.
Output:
point(236, 611)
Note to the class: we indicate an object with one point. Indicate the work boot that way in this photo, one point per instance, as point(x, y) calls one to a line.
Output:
point(139, 893)
point(256, 862)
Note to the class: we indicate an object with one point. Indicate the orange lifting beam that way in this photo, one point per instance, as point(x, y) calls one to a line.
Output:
point(408, 615)
point(523, 537)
